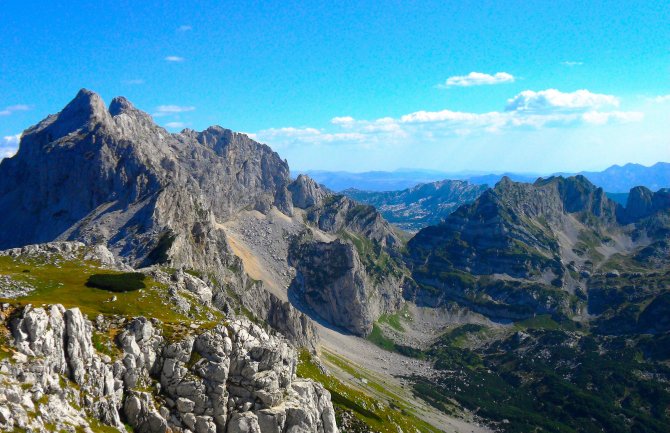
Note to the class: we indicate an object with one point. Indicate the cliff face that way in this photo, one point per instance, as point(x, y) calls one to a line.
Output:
point(334, 282)
point(352, 280)
point(233, 377)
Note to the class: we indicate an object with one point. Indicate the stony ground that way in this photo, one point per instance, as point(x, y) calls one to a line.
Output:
point(389, 370)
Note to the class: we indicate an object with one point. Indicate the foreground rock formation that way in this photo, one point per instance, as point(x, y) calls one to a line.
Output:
point(231, 378)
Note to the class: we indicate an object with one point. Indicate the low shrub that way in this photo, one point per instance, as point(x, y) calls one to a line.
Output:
point(126, 282)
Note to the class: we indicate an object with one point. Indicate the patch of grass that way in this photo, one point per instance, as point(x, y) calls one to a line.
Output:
point(393, 320)
point(542, 321)
point(125, 282)
point(378, 416)
point(378, 338)
point(64, 282)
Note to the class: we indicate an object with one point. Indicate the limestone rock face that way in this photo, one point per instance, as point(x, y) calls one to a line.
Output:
point(306, 193)
point(342, 281)
point(55, 344)
point(642, 203)
point(230, 378)
point(334, 283)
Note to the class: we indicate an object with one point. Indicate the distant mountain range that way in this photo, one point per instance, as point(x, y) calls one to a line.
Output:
point(615, 179)
point(422, 205)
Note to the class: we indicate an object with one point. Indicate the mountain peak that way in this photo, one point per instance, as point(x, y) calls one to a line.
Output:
point(85, 105)
point(120, 105)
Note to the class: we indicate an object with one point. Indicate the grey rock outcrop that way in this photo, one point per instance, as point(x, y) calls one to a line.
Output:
point(333, 283)
point(231, 378)
point(305, 192)
point(337, 213)
point(55, 343)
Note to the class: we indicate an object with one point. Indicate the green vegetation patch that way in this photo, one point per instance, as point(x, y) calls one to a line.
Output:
point(552, 381)
point(65, 282)
point(378, 338)
point(126, 282)
point(368, 409)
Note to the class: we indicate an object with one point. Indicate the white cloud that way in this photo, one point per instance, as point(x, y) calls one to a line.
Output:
point(571, 63)
point(661, 99)
point(291, 135)
point(175, 125)
point(9, 145)
point(166, 110)
point(14, 108)
point(478, 79)
point(601, 118)
point(344, 120)
point(174, 108)
point(184, 28)
point(528, 110)
point(174, 59)
point(552, 99)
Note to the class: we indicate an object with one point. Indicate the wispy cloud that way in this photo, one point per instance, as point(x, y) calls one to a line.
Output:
point(14, 108)
point(527, 110)
point(571, 63)
point(175, 125)
point(166, 110)
point(288, 136)
point(552, 99)
point(9, 145)
point(133, 82)
point(477, 79)
point(174, 59)
point(661, 99)
point(184, 28)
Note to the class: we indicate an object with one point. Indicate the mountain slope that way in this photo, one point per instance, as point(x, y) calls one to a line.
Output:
point(523, 249)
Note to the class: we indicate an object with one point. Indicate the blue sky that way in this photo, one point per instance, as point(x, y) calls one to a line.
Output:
point(491, 86)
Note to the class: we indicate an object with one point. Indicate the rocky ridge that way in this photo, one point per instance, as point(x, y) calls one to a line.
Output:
point(525, 249)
